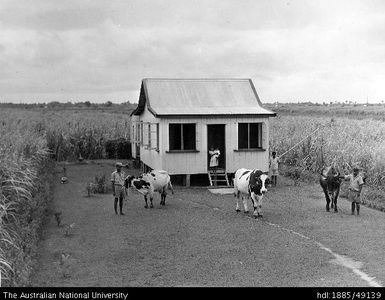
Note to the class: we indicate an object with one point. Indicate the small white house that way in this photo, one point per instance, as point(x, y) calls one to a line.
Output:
point(178, 120)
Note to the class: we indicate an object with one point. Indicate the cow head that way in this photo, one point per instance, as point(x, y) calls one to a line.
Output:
point(258, 182)
point(128, 181)
point(333, 180)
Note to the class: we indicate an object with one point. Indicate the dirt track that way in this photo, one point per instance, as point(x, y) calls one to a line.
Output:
point(198, 239)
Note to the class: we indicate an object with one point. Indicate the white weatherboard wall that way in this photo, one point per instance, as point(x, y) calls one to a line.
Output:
point(196, 162)
point(151, 158)
point(134, 120)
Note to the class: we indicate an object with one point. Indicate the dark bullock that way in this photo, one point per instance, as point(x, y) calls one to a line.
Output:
point(330, 180)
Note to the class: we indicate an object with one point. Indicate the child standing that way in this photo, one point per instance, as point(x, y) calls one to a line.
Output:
point(274, 162)
point(355, 188)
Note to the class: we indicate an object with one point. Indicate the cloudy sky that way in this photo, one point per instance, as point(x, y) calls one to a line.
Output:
point(99, 50)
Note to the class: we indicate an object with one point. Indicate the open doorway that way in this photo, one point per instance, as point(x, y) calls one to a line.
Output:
point(216, 139)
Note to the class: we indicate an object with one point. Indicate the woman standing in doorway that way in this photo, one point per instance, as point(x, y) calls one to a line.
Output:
point(214, 157)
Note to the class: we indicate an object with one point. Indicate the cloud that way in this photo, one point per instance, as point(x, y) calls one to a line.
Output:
point(48, 15)
point(292, 48)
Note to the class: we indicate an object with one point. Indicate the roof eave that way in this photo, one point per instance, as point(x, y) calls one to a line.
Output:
point(215, 115)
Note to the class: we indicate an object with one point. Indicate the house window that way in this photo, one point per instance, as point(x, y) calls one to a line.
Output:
point(249, 135)
point(149, 135)
point(182, 136)
point(137, 131)
point(157, 136)
point(153, 136)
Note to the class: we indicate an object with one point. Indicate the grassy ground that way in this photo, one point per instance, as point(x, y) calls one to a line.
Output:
point(198, 239)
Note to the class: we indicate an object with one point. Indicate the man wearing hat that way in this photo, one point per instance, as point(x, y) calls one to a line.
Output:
point(118, 189)
point(355, 188)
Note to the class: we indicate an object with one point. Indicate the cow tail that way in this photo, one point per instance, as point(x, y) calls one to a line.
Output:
point(170, 187)
point(236, 192)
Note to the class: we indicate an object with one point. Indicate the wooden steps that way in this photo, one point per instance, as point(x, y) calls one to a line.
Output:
point(218, 177)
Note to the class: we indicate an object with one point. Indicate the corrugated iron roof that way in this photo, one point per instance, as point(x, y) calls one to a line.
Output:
point(189, 97)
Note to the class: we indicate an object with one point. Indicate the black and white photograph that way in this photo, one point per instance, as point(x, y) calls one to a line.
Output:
point(192, 144)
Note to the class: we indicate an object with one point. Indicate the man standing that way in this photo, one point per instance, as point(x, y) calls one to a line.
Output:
point(355, 188)
point(118, 189)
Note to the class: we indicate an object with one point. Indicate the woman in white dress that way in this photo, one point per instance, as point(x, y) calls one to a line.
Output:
point(214, 157)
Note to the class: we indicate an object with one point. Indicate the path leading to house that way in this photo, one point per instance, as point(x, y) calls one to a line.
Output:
point(198, 239)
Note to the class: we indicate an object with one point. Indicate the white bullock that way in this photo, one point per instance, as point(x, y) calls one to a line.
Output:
point(250, 184)
point(149, 183)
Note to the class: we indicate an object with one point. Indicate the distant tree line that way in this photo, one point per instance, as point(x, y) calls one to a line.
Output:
point(124, 106)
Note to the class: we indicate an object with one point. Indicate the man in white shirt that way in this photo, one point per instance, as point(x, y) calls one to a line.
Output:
point(118, 189)
point(355, 188)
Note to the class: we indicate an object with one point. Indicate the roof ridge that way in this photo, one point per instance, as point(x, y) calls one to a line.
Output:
point(197, 79)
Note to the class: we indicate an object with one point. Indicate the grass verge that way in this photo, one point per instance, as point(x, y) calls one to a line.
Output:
point(24, 228)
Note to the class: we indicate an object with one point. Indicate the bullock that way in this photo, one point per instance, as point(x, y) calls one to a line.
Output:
point(149, 183)
point(250, 184)
point(330, 181)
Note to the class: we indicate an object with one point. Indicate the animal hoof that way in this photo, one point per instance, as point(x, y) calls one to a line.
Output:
point(146, 206)
point(237, 210)
point(336, 210)
point(246, 212)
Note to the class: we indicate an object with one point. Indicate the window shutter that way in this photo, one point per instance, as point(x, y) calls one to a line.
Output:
point(149, 136)
point(264, 136)
point(157, 136)
point(145, 134)
point(197, 135)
